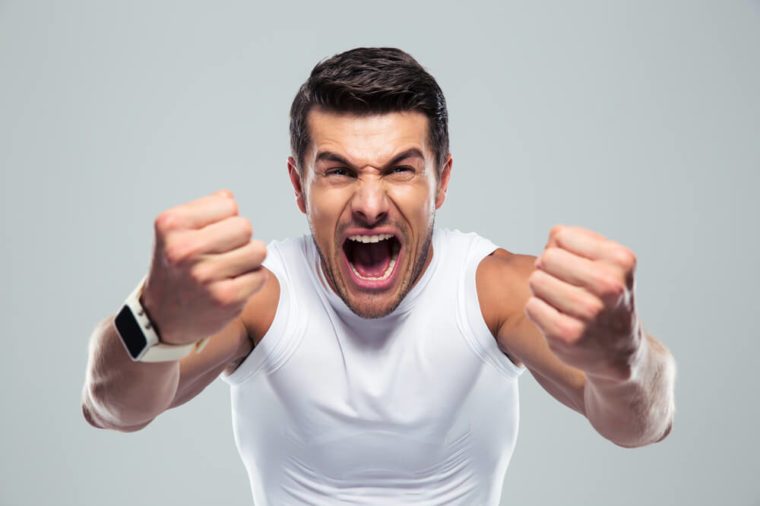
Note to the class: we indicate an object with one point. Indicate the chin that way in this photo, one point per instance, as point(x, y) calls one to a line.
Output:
point(372, 270)
point(372, 309)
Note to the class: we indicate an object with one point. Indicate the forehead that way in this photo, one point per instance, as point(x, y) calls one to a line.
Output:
point(367, 139)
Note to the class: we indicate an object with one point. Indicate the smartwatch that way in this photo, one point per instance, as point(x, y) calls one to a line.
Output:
point(139, 336)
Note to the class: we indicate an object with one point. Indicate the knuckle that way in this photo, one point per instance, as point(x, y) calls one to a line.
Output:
point(224, 202)
point(259, 249)
point(178, 252)
point(570, 330)
point(173, 254)
point(232, 205)
point(218, 297)
point(528, 308)
point(224, 296)
point(245, 228)
point(166, 222)
point(551, 254)
point(626, 258)
point(592, 308)
point(201, 274)
point(609, 285)
point(534, 279)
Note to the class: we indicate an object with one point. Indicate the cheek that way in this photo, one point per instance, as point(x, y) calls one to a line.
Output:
point(417, 202)
point(324, 207)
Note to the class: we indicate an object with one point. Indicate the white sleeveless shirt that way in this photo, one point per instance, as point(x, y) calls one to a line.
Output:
point(418, 407)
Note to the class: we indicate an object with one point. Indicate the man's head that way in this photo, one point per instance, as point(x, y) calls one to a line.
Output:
point(370, 166)
point(366, 81)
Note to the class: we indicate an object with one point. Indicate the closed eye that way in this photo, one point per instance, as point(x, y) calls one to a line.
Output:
point(401, 173)
point(338, 172)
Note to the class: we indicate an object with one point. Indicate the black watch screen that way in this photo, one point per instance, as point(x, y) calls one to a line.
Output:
point(130, 332)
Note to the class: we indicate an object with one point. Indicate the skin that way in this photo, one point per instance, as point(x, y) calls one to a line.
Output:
point(377, 173)
point(567, 315)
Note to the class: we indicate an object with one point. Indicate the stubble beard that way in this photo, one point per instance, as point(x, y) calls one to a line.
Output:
point(407, 284)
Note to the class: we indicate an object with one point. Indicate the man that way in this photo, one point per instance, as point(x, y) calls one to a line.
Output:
point(375, 361)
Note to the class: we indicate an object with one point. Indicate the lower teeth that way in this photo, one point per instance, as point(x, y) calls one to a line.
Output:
point(385, 275)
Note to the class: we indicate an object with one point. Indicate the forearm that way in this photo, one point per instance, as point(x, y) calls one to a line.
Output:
point(640, 410)
point(122, 394)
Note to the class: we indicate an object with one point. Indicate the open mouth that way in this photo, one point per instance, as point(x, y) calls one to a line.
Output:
point(372, 258)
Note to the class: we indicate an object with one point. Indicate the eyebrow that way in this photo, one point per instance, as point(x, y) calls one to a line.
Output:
point(329, 156)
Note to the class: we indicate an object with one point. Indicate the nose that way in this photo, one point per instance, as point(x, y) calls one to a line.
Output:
point(369, 204)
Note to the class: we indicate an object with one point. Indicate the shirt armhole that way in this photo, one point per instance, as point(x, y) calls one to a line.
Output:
point(470, 316)
point(267, 353)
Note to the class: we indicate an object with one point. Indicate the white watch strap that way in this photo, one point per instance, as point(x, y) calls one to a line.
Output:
point(156, 351)
point(166, 352)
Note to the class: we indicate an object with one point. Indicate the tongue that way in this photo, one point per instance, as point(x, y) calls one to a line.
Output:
point(371, 259)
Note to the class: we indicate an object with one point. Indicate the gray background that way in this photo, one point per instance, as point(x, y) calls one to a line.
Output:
point(640, 120)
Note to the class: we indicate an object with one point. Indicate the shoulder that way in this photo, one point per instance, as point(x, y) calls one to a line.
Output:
point(286, 265)
point(502, 285)
point(502, 262)
point(503, 291)
point(259, 312)
point(256, 318)
point(502, 277)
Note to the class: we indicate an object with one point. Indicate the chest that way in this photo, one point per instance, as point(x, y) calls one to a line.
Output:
point(355, 392)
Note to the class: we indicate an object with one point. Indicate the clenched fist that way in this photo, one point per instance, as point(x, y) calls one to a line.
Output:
point(205, 267)
point(583, 302)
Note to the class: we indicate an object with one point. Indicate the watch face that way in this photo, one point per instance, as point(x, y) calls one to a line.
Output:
point(130, 332)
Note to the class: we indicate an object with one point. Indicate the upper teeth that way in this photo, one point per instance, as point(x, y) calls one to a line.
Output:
point(370, 238)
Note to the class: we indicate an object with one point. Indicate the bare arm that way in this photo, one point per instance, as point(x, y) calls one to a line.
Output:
point(117, 393)
point(632, 413)
point(205, 277)
point(124, 395)
point(229, 348)
point(639, 410)
point(503, 291)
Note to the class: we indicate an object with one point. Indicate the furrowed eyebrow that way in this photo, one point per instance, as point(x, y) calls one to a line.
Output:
point(409, 153)
point(329, 156)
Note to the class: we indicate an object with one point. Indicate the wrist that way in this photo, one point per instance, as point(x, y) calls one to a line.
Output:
point(148, 302)
point(628, 370)
point(140, 337)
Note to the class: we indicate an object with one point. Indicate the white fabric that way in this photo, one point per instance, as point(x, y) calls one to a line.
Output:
point(419, 407)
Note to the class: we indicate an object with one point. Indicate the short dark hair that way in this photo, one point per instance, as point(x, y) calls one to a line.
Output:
point(370, 80)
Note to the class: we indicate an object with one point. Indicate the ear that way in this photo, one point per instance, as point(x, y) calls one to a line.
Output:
point(295, 180)
point(443, 182)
